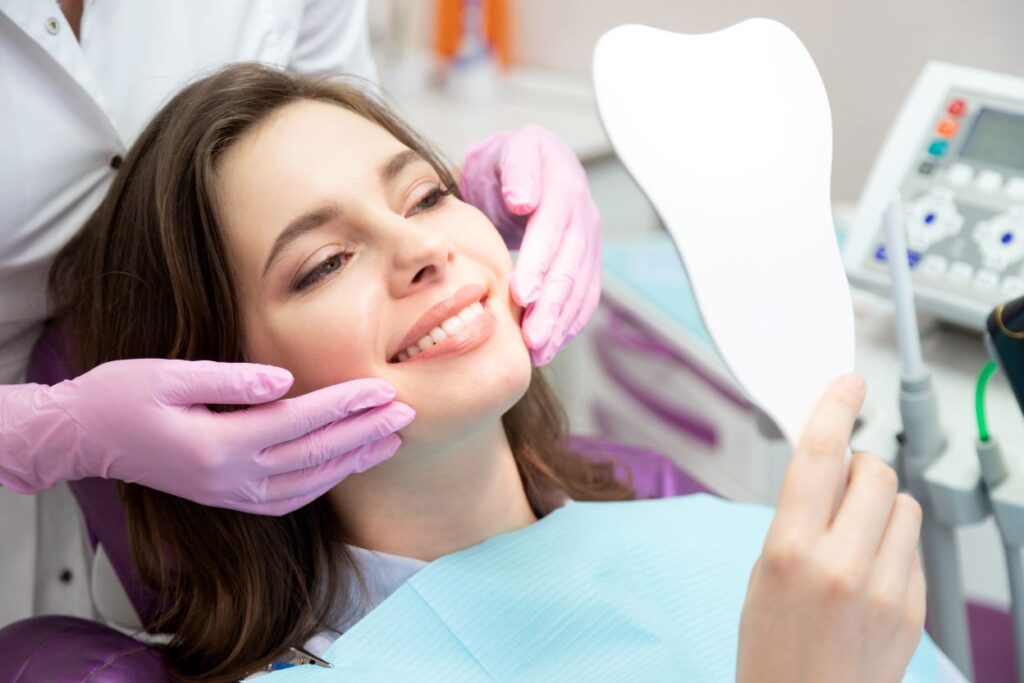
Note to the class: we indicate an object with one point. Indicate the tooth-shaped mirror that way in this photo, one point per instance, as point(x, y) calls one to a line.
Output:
point(729, 134)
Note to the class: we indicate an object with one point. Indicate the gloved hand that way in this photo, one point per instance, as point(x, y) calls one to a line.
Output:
point(528, 179)
point(146, 421)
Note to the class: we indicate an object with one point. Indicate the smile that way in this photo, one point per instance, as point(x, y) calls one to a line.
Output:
point(456, 325)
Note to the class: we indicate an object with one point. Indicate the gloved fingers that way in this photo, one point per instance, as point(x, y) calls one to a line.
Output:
point(292, 418)
point(522, 170)
point(570, 328)
point(562, 278)
point(336, 441)
point(287, 492)
point(186, 383)
point(480, 158)
point(545, 235)
point(576, 311)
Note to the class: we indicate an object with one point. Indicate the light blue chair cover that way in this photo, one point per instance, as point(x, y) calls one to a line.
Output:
point(637, 591)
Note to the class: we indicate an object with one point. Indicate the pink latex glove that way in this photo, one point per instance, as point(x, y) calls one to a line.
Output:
point(529, 180)
point(146, 421)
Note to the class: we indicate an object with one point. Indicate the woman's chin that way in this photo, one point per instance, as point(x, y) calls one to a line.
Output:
point(467, 405)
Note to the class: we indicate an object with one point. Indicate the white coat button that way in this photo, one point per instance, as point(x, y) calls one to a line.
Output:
point(52, 26)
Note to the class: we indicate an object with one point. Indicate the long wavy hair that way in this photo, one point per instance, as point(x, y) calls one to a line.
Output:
point(149, 277)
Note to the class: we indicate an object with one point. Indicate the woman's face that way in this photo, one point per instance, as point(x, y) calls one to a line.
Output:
point(345, 254)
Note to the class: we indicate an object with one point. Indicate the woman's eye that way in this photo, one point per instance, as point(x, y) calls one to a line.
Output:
point(325, 268)
point(432, 199)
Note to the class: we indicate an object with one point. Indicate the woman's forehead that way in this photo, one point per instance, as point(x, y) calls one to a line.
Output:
point(305, 147)
point(309, 132)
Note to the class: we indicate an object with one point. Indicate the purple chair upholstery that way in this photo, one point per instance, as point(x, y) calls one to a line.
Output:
point(58, 649)
point(93, 652)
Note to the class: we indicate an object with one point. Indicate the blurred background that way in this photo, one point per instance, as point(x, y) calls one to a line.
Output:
point(868, 51)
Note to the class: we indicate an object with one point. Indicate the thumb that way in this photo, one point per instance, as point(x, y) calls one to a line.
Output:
point(192, 382)
point(522, 172)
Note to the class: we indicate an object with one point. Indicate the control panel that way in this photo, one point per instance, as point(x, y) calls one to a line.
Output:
point(956, 157)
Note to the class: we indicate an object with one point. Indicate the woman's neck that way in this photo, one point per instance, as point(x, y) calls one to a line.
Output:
point(431, 503)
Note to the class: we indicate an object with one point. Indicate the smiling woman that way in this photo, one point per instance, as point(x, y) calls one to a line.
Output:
point(276, 219)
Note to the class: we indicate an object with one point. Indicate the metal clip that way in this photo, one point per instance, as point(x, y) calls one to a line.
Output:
point(303, 656)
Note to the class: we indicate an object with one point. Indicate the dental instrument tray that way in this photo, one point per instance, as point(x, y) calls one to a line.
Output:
point(955, 155)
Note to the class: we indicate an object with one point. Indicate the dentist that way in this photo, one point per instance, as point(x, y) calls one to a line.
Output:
point(79, 79)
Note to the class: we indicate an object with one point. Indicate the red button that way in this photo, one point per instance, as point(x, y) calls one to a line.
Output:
point(957, 107)
point(946, 128)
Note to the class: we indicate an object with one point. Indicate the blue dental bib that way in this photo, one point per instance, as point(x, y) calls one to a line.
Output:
point(632, 591)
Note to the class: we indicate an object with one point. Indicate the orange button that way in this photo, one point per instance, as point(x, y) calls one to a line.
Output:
point(947, 128)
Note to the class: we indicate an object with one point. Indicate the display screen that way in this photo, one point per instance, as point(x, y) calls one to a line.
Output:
point(997, 138)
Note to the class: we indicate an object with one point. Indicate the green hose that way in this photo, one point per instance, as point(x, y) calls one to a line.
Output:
point(979, 398)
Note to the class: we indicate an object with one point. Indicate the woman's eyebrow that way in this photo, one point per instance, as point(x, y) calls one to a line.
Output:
point(398, 162)
point(311, 220)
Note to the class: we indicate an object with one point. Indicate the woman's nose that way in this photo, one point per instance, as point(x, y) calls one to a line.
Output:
point(421, 258)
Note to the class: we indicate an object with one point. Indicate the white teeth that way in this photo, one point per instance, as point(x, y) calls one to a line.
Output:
point(452, 325)
point(468, 315)
point(449, 327)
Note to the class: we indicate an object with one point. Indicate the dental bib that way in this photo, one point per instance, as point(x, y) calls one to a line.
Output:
point(631, 591)
point(729, 135)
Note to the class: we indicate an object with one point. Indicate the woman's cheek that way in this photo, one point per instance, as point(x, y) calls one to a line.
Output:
point(320, 348)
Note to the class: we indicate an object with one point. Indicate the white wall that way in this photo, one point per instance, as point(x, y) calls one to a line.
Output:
point(869, 51)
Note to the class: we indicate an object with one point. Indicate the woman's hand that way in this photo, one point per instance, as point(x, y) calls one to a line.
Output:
point(838, 599)
point(529, 179)
point(146, 421)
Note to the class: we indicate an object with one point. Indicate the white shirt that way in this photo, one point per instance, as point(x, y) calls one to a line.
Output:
point(382, 574)
point(68, 107)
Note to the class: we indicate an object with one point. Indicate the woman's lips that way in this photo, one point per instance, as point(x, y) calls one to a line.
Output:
point(437, 314)
point(469, 337)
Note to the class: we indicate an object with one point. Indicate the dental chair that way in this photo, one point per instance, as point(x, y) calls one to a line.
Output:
point(64, 649)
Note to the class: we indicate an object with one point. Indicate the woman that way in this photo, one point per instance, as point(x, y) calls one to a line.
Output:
point(81, 79)
point(274, 219)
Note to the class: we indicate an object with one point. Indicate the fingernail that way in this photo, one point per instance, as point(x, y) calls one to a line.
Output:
point(853, 381)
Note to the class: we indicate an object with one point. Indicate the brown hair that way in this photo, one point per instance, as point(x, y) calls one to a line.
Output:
point(148, 277)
